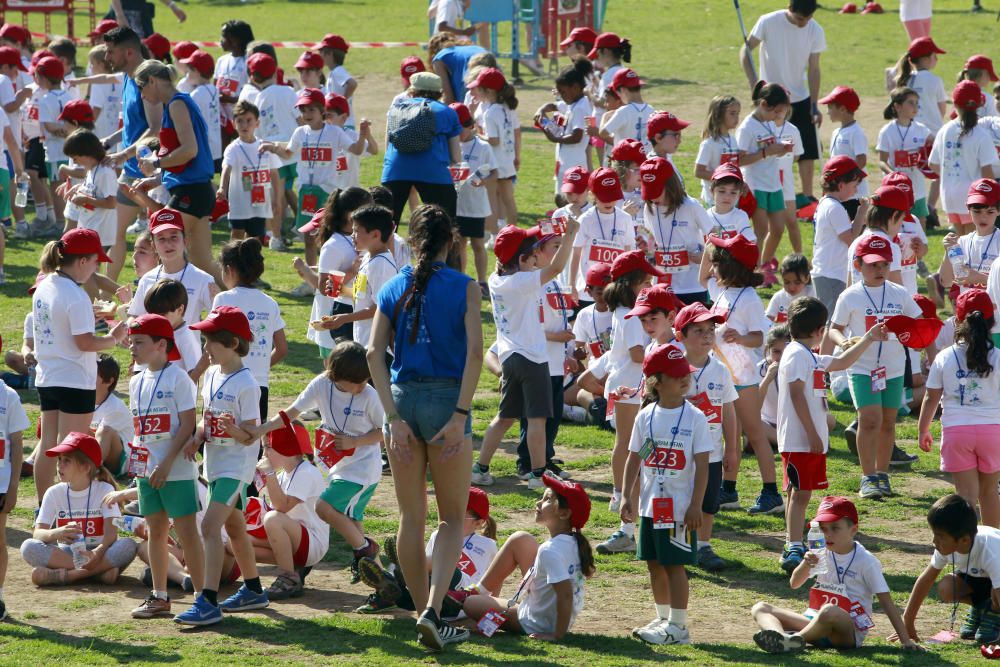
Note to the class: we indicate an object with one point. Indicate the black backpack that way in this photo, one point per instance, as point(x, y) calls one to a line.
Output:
point(411, 125)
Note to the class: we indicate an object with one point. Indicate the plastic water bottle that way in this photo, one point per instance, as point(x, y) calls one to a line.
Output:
point(143, 152)
point(957, 258)
point(816, 542)
point(129, 523)
point(79, 549)
point(31, 377)
point(21, 198)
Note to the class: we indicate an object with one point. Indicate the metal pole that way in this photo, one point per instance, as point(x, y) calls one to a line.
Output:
point(743, 31)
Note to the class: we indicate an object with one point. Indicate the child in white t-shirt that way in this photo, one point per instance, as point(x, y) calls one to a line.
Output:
point(903, 144)
point(206, 95)
point(111, 424)
point(849, 139)
point(778, 339)
point(105, 98)
point(568, 127)
point(94, 196)
point(796, 281)
point(14, 422)
point(911, 239)
point(629, 120)
point(606, 230)
point(49, 73)
point(231, 67)
point(981, 246)
point(786, 132)
point(718, 145)
point(333, 49)
point(168, 297)
point(502, 130)
point(473, 207)
point(250, 180)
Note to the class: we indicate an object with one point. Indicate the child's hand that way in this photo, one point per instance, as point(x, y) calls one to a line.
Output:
point(693, 517)
point(626, 512)
point(878, 333)
point(926, 441)
point(300, 266)
point(221, 194)
point(124, 294)
point(119, 332)
point(631, 207)
point(949, 240)
point(731, 336)
point(266, 147)
point(810, 559)
point(566, 336)
point(147, 165)
point(190, 449)
point(159, 476)
point(71, 532)
point(227, 422)
point(342, 441)
point(816, 444)
point(115, 498)
point(772, 371)
point(365, 127)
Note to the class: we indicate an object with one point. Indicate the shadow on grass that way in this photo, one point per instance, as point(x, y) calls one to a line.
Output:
point(53, 641)
point(878, 655)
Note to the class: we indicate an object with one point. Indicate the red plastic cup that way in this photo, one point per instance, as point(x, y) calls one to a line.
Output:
point(334, 284)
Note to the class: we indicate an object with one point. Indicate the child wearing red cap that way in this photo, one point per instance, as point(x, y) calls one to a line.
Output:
point(914, 71)
point(840, 601)
point(629, 120)
point(473, 207)
point(333, 49)
point(980, 247)
point(279, 118)
point(206, 95)
point(887, 209)
point(251, 181)
point(902, 143)
point(726, 189)
point(718, 144)
point(592, 334)
point(979, 69)
point(606, 230)
point(49, 73)
point(502, 130)
point(625, 158)
point(570, 131)
point(608, 53)
point(551, 594)
point(74, 537)
point(876, 378)
point(848, 139)
point(573, 201)
point(835, 229)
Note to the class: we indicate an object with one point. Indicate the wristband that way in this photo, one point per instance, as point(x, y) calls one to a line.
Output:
point(285, 419)
point(461, 411)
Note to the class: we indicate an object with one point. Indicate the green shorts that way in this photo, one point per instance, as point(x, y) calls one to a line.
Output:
point(920, 209)
point(228, 491)
point(122, 469)
point(348, 498)
point(288, 174)
point(324, 352)
point(53, 168)
point(889, 398)
point(665, 546)
point(770, 201)
point(178, 498)
point(5, 201)
point(310, 192)
point(996, 339)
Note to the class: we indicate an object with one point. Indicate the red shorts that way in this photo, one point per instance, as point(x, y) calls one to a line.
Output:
point(234, 574)
point(804, 471)
point(301, 554)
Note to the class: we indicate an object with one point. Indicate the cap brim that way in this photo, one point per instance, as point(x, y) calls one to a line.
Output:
point(566, 42)
point(872, 258)
point(829, 517)
point(59, 449)
point(979, 199)
point(638, 311)
point(174, 354)
point(651, 191)
point(166, 226)
point(208, 326)
point(706, 317)
point(827, 100)
point(575, 189)
point(593, 54)
point(308, 227)
point(691, 369)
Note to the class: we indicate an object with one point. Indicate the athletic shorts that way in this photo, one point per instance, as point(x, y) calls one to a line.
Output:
point(254, 227)
point(5, 201)
point(666, 546)
point(288, 174)
point(228, 491)
point(920, 208)
point(889, 398)
point(301, 555)
point(710, 503)
point(770, 201)
point(34, 157)
point(178, 498)
point(525, 389)
point(972, 447)
point(804, 471)
point(67, 399)
point(348, 498)
point(313, 195)
point(125, 179)
point(802, 120)
point(473, 228)
point(194, 199)
point(694, 297)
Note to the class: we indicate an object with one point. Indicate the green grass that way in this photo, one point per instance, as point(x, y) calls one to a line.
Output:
point(687, 52)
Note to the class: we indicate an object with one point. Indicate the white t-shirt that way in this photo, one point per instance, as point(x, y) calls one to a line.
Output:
point(318, 153)
point(517, 311)
point(249, 170)
point(897, 254)
point(622, 371)
point(679, 236)
point(557, 560)
point(236, 394)
point(336, 254)
point(188, 342)
point(114, 414)
point(61, 505)
point(156, 398)
point(336, 82)
point(100, 183)
point(967, 399)
point(862, 578)
point(961, 159)
point(108, 98)
point(903, 144)
point(909, 230)
point(711, 388)
point(62, 310)
point(7, 95)
point(751, 137)
point(573, 155)
point(830, 257)
point(279, 117)
point(28, 330)
point(593, 328)
point(851, 141)
point(786, 132)
point(728, 225)
point(30, 127)
point(777, 307)
point(50, 105)
point(230, 77)
point(473, 199)
point(12, 420)
point(249, 93)
point(859, 308)
point(557, 310)
point(197, 282)
point(629, 122)
point(983, 559)
point(499, 122)
point(478, 552)
point(306, 483)
point(931, 91)
point(373, 274)
point(744, 313)
point(602, 237)
point(980, 251)
point(992, 126)
point(206, 96)
point(450, 13)
point(785, 49)
point(769, 404)
point(350, 414)
point(914, 10)
point(799, 364)
point(265, 319)
point(607, 77)
point(713, 152)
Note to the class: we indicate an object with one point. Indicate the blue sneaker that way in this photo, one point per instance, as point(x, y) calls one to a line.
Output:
point(791, 557)
point(202, 612)
point(768, 503)
point(729, 500)
point(244, 600)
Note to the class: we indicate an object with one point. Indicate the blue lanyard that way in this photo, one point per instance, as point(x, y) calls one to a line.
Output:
point(673, 432)
point(986, 250)
point(836, 570)
point(961, 374)
point(562, 308)
point(729, 142)
point(472, 151)
point(614, 224)
point(292, 478)
point(372, 259)
point(260, 156)
point(183, 271)
point(86, 515)
point(347, 411)
point(597, 334)
point(903, 135)
point(878, 311)
point(698, 376)
point(659, 225)
point(152, 395)
point(211, 395)
point(312, 163)
point(732, 307)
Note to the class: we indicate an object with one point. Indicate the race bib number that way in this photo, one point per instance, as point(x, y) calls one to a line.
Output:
point(782, 316)
point(466, 564)
point(878, 377)
point(561, 301)
point(227, 86)
point(257, 195)
point(138, 461)
point(327, 450)
point(153, 427)
point(712, 412)
point(819, 382)
point(309, 203)
point(673, 259)
point(821, 594)
point(725, 233)
point(905, 243)
point(32, 112)
point(341, 163)
point(93, 527)
point(766, 141)
point(663, 513)
point(906, 159)
point(862, 621)
point(214, 431)
point(491, 622)
point(872, 320)
point(668, 461)
point(605, 251)
point(317, 154)
point(252, 178)
point(730, 158)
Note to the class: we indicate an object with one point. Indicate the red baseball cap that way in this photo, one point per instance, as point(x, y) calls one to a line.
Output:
point(634, 260)
point(463, 113)
point(606, 40)
point(308, 97)
point(155, 325)
point(52, 68)
point(11, 56)
point(479, 502)
point(892, 197)
point(849, 8)
point(923, 46)
point(972, 300)
point(489, 77)
point(78, 111)
point(834, 508)
point(164, 219)
point(290, 440)
point(508, 242)
point(309, 60)
point(158, 45)
point(337, 103)
point(840, 165)
point(980, 61)
point(985, 191)
point(605, 185)
point(226, 318)
point(220, 209)
point(653, 176)
point(314, 223)
point(873, 249)
point(742, 249)
point(201, 62)
point(902, 182)
point(927, 307)
point(667, 359)
point(656, 297)
point(872, 8)
point(629, 150)
point(263, 64)
point(80, 241)
point(584, 35)
point(331, 41)
point(16, 33)
point(183, 49)
point(39, 277)
point(575, 180)
point(598, 275)
point(844, 96)
point(727, 171)
point(967, 95)
point(664, 121)
point(626, 78)
point(694, 313)
point(102, 28)
point(410, 66)
point(575, 496)
point(912, 332)
point(38, 55)
point(83, 442)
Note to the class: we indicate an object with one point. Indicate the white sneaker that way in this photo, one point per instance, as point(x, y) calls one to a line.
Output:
point(137, 227)
point(615, 504)
point(480, 478)
point(618, 543)
point(664, 634)
point(277, 243)
point(305, 289)
point(21, 230)
point(655, 623)
point(535, 482)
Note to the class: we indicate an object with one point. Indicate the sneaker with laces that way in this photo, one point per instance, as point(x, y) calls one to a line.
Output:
point(375, 576)
point(988, 631)
point(21, 230)
point(523, 474)
point(792, 556)
point(152, 607)
point(287, 585)
point(709, 561)
point(655, 623)
point(618, 543)
point(665, 634)
point(304, 289)
point(480, 478)
point(870, 487)
point(389, 545)
point(370, 550)
point(883, 484)
point(773, 641)
point(900, 457)
point(556, 470)
point(375, 605)
point(768, 503)
point(202, 612)
point(244, 600)
point(137, 227)
point(971, 623)
point(277, 244)
point(535, 482)
point(435, 634)
point(729, 500)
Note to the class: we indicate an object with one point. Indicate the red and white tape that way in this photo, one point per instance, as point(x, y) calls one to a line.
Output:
point(280, 45)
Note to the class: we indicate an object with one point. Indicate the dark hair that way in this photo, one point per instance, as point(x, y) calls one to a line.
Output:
point(171, 345)
point(430, 231)
point(245, 106)
point(165, 296)
point(347, 362)
point(878, 217)
point(576, 73)
point(969, 119)
point(373, 217)
point(953, 515)
point(239, 31)
point(83, 142)
point(834, 183)
point(582, 544)
point(381, 195)
point(124, 36)
point(776, 333)
point(245, 258)
point(619, 292)
point(974, 331)
point(229, 339)
point(507, 95)
point(898, 95)
point(62, 47)
point(623, 51)
point(338, 208)
point(772, 94)
point(108, 370)
point(731, 273)
point(806, 314)
point(795, 263)
point(673, 188)
point(803, 7)
point(260, 46)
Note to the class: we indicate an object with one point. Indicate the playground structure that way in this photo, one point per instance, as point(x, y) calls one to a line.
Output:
point(47, 8)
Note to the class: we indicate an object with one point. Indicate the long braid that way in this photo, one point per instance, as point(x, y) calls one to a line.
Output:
point(430, 231)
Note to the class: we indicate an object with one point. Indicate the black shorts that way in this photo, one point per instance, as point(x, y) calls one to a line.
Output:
point(525, 390)
point(217, 165)
point(851, 206)
point(252, 226)
point(194, 199)
point(981, 588)
point(710, 503)
point(68, 400)
point(34, 157)
point(802, 120)
point(264, 394)
point(473, 228)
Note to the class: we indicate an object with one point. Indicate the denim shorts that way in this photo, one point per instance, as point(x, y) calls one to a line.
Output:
point(427, 405)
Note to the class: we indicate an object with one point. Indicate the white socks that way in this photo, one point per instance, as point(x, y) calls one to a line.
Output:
point(628, 529)
point(662, 611)
point(678, 617)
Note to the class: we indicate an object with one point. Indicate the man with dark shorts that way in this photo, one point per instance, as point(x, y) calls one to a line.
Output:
point(790, 42)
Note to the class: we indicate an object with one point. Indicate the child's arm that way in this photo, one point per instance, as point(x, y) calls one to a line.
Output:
point(260, 430)
point(306, 273)
point(562, 255)
point(769, 377)
point(105, 284)
point(883, 162)
point(731, 437)
point(94, 78)
point(564, 611)
point(279, 148)
point(902, 632)
point(921, 588)
point(364, 131)
point(847, 358)
point(702, 172)
point(372, 437)
point(630, 491)
point(279, 347)
point(89, 342)
point(575, 137)
point(932, 399)
point(65, 171)
point(14, 150)
point(199, 368)
point(16, 445)
point(751, 158)
point(185, 428)
point(517, 148)
point(704, 269)
point(227, 173)
point(280, 501)
point(57, 129)
point(338, 321)
point(797, 394)
point(574, 269)
point(693, 517)
point(800, 575)
point(66, 534)
point(749, 339)
point(371, 145)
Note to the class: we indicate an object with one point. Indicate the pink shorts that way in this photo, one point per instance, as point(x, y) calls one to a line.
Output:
point(960, 218)
point(970, 448)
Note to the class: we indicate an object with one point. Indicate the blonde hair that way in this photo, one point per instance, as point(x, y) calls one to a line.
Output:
point(154, 69)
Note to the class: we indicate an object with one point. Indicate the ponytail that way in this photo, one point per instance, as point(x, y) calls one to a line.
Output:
point(576, 73)
point(104, 475)
point(51, 259)
point(585, 553)
point(245, 257)
point(904, 70)
point(650, 395)
point(969, 119)
point(624, 50)
point(974, 331)
point(507, 95)
point(489, 528)
point(772, 94)
point(430, 232)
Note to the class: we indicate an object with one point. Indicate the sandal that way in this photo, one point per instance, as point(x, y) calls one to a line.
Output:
point(285, 586)
point(46, 576)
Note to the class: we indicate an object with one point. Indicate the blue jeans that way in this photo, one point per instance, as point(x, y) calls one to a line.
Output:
point(426, 405)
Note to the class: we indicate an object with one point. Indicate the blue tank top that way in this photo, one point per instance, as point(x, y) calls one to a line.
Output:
point(457, 59)
point(201, 168)
point(134, 122)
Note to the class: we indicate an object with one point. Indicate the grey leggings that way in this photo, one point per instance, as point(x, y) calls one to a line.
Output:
point(38, 554)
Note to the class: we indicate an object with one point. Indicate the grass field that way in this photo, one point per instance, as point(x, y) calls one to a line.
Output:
point(687, 52)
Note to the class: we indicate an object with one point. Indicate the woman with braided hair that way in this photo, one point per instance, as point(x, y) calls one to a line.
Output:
point(429, 313)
